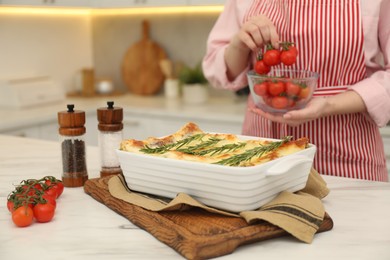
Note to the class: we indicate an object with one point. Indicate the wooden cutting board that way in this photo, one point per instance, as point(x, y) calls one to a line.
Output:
point(141, 70)
point(195, 234)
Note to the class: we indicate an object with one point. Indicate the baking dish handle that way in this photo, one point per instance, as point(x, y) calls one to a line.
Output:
point(286, 164)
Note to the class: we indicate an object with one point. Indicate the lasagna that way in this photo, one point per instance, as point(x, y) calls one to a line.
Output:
point(190, 143)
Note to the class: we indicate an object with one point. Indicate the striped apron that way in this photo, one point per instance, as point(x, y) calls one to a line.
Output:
point(329, 37)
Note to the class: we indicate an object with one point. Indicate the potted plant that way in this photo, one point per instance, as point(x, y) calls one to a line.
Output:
point(194, 84)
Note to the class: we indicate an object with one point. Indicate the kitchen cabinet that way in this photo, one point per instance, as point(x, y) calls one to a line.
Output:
point(48, 3)
point(49, 131)
point(44, 131)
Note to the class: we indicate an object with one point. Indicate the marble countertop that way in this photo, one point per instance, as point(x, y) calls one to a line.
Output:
point(85, 229)
point(223, 108)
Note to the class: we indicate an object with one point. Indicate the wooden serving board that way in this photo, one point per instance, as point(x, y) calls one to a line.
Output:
point(141, 70)
point(195, 234)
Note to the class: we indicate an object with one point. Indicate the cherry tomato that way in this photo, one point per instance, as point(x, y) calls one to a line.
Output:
point(279, 102)
point(288, 57)
point(292, 89)
point(304, 93)
point(44, 212)
point(50, 199)
point(57, 185)
point(51, 192)
point(261, 89)
point(28, 190)
point(261, 68)
point(267, 100)
point(276, 87)
point(23, 200)
point(23, 216)
point(291, 102)
point(272, 57)
point(10, 206)
point(293, 49)
point(60, 189)
point(38, 186)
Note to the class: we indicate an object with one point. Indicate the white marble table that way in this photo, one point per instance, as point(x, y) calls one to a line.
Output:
point(85, 229)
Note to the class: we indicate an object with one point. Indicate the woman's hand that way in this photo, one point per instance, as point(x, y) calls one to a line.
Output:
point(313, 110)
point(255, 33)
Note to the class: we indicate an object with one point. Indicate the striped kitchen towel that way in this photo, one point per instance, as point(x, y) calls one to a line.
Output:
point(300, 213)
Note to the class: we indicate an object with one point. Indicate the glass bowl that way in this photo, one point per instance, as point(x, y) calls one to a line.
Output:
point(280, 91)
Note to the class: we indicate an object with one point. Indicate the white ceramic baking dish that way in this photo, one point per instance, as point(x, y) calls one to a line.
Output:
point(228, 188)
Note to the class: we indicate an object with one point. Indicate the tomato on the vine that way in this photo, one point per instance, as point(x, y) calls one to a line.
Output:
point(10, 206)
point(51, 192)
point(50, 199)
point(272, 57)
point(23, 216)
point(276, 87)
point(60, 188)
point(261, 89)
point(293, 49)
point(288, 58)
point(261, 68)
point(44, 212)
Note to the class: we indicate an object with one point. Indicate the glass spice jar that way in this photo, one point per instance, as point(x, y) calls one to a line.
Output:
point(72, 138)
point(110, 136)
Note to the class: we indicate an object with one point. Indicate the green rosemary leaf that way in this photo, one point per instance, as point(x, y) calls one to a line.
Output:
point(221, 149)
point(168, 147)
point(193, 149)
point(237, 159)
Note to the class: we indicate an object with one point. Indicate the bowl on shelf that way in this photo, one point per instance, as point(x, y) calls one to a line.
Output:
point(282, 90)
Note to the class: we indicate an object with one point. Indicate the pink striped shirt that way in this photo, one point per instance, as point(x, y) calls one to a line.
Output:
point(340, 39)
point(376, 29)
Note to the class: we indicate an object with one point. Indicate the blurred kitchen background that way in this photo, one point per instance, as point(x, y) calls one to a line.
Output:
point(52, 45)
point(60, 42)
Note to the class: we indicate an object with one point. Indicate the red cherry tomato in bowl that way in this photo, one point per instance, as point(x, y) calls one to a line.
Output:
point(261, 89)
point(279, 102)
point(292, 89)
point(276, 87)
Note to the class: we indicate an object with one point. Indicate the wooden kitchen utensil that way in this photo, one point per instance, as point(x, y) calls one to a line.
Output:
point(166, 66)
point(141, 71)
point(194, 233)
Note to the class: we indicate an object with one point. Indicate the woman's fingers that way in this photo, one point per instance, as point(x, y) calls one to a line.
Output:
point(257, 32)
point(312, 111)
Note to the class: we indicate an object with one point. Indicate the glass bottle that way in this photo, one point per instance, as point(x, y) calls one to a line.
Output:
point(72, 138)
point(110, 136)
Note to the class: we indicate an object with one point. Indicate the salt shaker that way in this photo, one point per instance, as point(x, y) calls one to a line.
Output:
point(72, 138)
point(110, 136)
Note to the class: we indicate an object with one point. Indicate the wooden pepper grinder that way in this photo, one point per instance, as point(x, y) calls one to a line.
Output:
point(72, 135)
point(110, 136)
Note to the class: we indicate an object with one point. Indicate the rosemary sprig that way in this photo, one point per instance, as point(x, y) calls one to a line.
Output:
point(167, 147)
point(221, 149)
point(195, 148)
point(235, 160)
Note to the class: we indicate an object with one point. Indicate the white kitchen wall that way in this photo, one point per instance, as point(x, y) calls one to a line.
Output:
point(183, 37)
point(45, 44)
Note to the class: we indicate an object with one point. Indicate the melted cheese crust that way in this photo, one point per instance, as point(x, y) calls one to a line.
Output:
point(191, 129)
